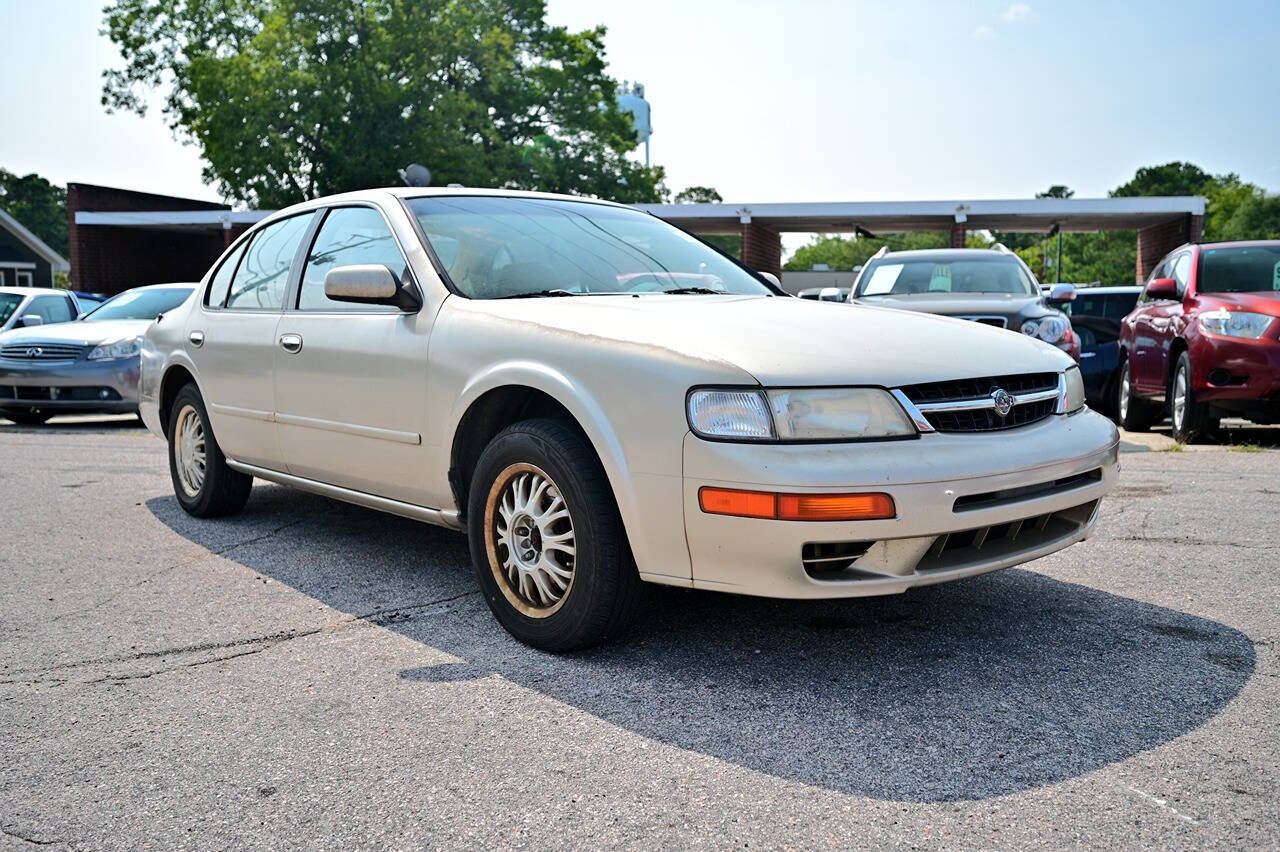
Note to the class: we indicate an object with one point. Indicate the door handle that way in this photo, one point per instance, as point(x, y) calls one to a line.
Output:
point(196, 338)
point(291, 342)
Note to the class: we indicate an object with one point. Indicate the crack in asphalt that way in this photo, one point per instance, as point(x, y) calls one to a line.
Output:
point(1193, 542)
point(183, 564)
point(34, 841)
point(379, 617)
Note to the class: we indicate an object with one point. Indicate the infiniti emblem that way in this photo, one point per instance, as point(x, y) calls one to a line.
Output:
point(1004, 401)
point(35, 352)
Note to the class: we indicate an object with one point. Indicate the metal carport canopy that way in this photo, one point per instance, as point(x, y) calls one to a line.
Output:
point(1035, 214)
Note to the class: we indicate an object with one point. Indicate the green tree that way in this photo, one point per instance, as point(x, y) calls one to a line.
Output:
point(40, 206)
point(291, 99)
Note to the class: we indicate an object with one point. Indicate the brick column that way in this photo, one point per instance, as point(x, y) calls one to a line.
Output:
point(1156, 241)
point(959, 233)
point(762, 248)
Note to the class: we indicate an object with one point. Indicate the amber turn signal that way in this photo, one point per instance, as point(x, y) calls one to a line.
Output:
point(796, 507)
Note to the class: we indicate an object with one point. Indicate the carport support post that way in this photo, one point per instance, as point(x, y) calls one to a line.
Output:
point(761, 245)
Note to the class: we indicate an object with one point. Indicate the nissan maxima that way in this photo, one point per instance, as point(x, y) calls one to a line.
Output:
point(89, 366)
point(600, 401)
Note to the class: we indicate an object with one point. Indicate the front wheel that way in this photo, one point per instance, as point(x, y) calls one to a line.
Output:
point(203, 482)
point(1132, 413)
point(546, 539)
point(1190, 418)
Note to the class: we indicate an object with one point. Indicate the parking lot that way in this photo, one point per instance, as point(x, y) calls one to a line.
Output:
point(311, 672)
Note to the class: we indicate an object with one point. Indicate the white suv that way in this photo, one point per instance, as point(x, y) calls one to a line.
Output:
point(600, 399)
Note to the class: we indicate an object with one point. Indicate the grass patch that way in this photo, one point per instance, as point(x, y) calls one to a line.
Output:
point(1173, 448)
point(1247, 448)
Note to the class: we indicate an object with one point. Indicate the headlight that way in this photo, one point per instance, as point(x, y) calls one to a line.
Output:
point(126, 348)
point(833, 414)
point(1073, 399)
point(806, 414)
point(730, 414)
point(1049, 329)
point(1235, 323)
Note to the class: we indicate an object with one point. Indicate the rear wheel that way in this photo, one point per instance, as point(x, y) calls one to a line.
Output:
point(202, 481)
point(546, 539)
point(27, 418)
point(1190, 418)
point(1132, 413)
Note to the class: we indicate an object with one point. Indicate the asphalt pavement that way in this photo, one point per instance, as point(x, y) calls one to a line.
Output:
point(315, 674)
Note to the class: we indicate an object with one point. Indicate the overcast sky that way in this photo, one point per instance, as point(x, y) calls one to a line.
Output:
point(799, 100)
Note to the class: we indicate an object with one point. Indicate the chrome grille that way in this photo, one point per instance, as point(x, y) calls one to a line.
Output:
point(40, 352)
point(968, 405)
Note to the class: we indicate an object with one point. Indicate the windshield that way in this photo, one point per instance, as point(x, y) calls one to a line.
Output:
point(1243, 269)
point(139, 304)
point(890, 277)
point(496, 247)
point(8, 304)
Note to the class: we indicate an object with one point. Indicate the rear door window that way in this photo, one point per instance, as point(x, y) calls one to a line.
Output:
point(263, 274)
point(216, 297)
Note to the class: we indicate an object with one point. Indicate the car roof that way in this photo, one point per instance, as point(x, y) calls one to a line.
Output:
point(409, 192)
point(30, 291)
point(1239, 243)
point(949, 254)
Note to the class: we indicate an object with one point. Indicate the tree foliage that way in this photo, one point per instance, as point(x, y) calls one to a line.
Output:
point(40, 206)
point(292, 99)
point(848, 252)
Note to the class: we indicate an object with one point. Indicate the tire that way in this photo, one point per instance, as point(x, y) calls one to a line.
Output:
point(27, 418)
point(1190, 418)
point(1131, 412)
point(539, 481)
point(215, 491)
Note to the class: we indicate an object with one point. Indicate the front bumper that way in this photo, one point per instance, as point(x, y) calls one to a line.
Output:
point(1231, 368)
point(966, 504)
point(66, 387)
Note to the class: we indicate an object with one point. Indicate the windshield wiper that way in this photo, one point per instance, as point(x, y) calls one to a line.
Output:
point(680, 291)
point(539, 294)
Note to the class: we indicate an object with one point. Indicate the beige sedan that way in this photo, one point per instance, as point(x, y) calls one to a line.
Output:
point(602, 401)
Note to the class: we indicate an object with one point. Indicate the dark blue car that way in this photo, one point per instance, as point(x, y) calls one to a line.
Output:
point(1096, 313)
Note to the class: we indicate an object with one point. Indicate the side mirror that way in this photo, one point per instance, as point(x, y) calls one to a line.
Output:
point(771, 278)
point(371, 284)
point(30, 321)
point(1062, 293)
point(1162, 288)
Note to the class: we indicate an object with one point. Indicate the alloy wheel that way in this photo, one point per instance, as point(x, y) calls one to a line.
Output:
point(1179, 399)
point(189, 450)
point(530, 540)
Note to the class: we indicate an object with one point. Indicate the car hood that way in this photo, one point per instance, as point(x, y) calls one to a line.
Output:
point(1258, 303)
point(82, 333)
point(969, 304)
point(787, 341)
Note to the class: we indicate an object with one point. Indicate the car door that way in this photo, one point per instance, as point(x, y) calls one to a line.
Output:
point(1143, 358)
point(231, 340)
point(1166, 322)
point(351, 379)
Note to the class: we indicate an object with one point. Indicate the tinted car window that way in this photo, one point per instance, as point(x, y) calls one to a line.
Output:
point(221, 282)
point(349, 236)
point(50, 309)
point(260, 281)
point(1112, 306)
point(8, 304)
point(1240, 269)
point(495, 247)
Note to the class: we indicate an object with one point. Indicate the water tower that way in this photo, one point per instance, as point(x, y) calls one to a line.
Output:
point(631, 99)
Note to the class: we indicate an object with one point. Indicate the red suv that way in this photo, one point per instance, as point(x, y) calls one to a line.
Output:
point(1204, 340)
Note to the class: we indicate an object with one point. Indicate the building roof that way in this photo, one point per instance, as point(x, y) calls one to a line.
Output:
point(37, 245)
point(1026, 215)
